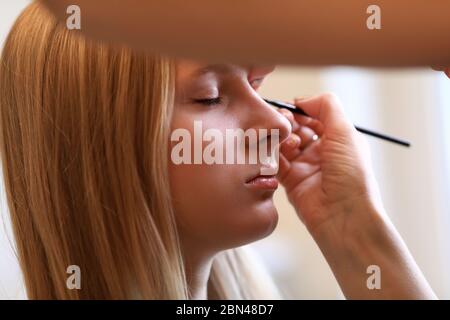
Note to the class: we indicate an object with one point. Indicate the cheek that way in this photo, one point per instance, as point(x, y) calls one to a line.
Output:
point(212, 205)
point(204, 195)
point(211, 202)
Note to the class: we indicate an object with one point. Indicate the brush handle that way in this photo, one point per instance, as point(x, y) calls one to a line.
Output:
point(296, 110)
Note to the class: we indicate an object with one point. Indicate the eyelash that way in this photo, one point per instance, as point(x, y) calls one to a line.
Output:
point(209, 102)
point(215, 101)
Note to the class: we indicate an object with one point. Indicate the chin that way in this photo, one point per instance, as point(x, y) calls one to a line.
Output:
point(261, 220)
point(267, 216)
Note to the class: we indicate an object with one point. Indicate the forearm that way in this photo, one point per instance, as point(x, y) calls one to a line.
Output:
point(371, 240)
point(275, 31)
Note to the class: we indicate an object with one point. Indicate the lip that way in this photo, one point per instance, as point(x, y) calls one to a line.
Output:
point(263, 182)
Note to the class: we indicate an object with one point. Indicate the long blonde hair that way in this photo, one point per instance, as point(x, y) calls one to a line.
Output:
point(84, 131)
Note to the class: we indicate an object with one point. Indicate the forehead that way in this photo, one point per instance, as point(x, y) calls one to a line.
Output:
point(189, 68)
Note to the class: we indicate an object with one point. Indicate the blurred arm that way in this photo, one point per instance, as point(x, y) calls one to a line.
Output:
point(308, 32)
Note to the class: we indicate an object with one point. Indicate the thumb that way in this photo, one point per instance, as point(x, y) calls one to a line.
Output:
point(327, 109)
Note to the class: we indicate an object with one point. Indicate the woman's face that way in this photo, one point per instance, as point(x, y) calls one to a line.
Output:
point(220, 206)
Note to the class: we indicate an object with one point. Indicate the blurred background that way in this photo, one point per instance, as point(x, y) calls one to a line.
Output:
point(413, 104)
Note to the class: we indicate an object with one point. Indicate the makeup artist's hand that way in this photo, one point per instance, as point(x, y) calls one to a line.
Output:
point(446, 70)
point(330, 183)
point(325, 179)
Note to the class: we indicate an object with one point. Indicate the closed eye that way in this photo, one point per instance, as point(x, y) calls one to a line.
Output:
point(209, 102)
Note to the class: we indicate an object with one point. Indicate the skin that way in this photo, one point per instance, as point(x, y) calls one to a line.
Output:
point(215, 208)
point(332, 187)
point(329, 182)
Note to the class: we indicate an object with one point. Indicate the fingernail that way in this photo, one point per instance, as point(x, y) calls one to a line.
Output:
point(293, 141)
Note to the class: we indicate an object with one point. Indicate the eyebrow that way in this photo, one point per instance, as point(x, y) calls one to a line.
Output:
point(217, 68)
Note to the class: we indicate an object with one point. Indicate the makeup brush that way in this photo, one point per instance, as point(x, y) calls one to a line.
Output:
point(294, 109)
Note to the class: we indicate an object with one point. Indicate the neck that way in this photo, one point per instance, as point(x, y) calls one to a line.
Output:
point(198, 261)
point(198, 271)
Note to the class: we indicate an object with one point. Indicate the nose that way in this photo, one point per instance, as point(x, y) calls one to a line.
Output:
point(261, 115)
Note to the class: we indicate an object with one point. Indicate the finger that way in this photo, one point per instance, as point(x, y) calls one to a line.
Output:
point(290, 116)
point(307, 121)
point(446, 70)
point(311, 154)
point(290, 148)
point(327, 109)
point(284, 166)
point(306, 135)
point(437, 68)
point(303, 97)
point(313, 124)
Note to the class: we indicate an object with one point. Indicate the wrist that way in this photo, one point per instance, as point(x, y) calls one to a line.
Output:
point(352, 229)
point(364, 237)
